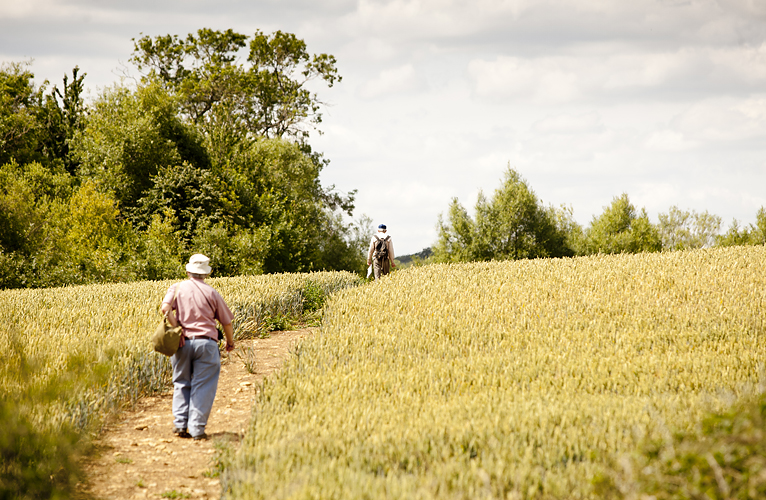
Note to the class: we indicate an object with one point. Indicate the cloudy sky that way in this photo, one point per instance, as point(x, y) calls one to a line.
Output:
point(662, 99)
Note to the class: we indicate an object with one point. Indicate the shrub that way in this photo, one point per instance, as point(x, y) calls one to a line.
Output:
point(35, 462)
point(724, 458)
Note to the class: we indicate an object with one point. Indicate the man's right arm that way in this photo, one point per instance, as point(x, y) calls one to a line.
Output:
point(167, 308)
point(369, 252)
point(168, 311)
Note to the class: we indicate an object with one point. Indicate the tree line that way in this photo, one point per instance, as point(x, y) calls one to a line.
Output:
point(202, 154)
point(208, 154)
point(515, 224)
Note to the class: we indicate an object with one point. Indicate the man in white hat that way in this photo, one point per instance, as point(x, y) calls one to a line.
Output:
point(381, 253)
point(197, 363)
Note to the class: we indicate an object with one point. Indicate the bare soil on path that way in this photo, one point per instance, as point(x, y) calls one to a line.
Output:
point(138, 456)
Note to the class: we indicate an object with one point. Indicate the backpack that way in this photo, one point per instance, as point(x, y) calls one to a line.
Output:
point(381, 249)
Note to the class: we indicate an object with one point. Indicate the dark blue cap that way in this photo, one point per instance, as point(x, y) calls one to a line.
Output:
point(382, 226)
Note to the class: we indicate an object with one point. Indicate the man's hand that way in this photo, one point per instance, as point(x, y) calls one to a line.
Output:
point(228, 332)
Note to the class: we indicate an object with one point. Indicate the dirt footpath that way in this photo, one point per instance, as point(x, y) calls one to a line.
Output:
point(137, 456)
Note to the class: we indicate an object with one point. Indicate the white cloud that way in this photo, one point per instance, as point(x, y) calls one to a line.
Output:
point(653, 69)
point(750, 8)
point(746, 63)
point(28, 8)
point(669, 140)
point(569, 124)
point(63, 11)
point(546, 80)
point(597, 73)
point(390, 82)
point(725, 119)
point(422, 19)
point(376, 49)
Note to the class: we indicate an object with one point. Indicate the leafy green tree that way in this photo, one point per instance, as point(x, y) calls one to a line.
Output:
point(574, 234)
point(82, 241)
point(277, 185)
point(749, 235)
point(201, 69)
point(205, 154)
point(244, 112)
point(681, 230)
point(34, 126)
point(194, 195)
point(98, 244)
point(234, 251)
point(621, 230)
point(29, 198)
point(61, 121)
point(281, 68)
point(19, 106)
point(52, 233)
point(130, 137)
point(456, 234)
point(343, 245)
point(160, 249)
point(268, 97)
point(512, 225)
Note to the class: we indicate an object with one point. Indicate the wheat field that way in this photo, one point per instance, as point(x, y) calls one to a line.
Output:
point(75, 354)
point(505, 379)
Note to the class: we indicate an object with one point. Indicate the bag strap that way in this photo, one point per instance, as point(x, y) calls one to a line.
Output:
point(382, 240)
point(175, 296)
point(215, 311)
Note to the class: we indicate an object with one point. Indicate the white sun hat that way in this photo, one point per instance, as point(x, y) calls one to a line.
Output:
point(198, 264)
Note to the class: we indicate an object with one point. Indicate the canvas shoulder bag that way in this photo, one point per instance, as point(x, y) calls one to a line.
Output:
point(166, 337)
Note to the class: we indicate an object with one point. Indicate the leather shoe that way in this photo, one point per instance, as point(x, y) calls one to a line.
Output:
point(182, 433)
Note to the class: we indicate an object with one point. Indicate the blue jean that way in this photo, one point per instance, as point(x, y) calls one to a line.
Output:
point(196, 367)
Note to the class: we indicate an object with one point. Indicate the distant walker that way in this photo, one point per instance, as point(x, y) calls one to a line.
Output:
point(381, 253)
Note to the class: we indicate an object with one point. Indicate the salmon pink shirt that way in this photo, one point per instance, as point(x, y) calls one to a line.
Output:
point(197, 306)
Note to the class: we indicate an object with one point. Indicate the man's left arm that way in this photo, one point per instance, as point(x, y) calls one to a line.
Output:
point(224, 316)
point(391, 251)
point(228, 331)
